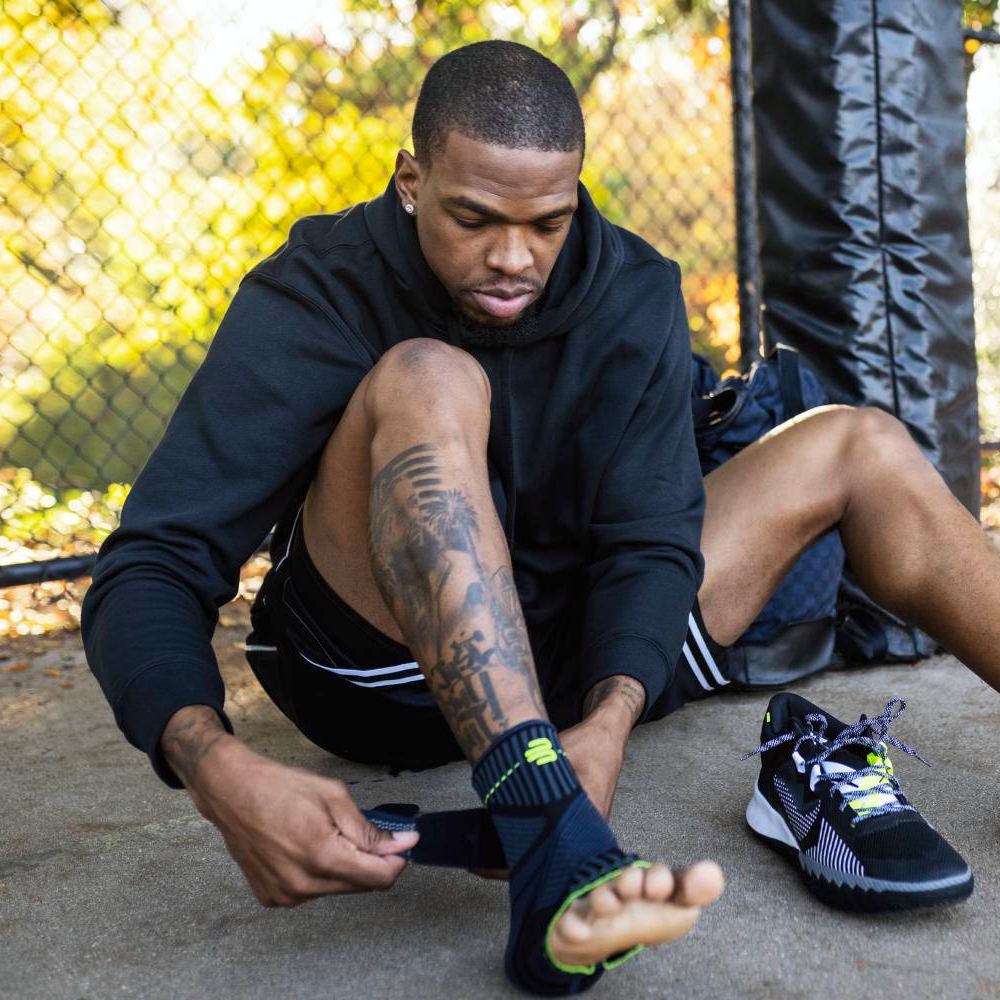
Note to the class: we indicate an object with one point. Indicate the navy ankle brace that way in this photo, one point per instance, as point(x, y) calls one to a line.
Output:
point(526, 766)
point(556, 844)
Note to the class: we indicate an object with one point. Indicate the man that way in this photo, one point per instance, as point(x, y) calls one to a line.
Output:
point(466, 405)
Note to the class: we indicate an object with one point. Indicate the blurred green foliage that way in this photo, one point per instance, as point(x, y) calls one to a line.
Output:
point(980, 14)
point(30, 512)
point(147, 167)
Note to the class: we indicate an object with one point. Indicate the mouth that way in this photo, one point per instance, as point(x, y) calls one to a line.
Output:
point(503, 304)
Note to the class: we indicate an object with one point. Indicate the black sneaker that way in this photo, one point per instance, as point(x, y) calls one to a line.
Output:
point(827, 799)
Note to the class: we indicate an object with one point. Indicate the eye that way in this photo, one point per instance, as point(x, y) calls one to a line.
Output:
point(549, 228)
point(466, 224)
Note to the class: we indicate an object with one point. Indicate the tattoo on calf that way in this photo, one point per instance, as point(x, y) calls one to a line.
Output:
point(466, 693)
point(454, 612)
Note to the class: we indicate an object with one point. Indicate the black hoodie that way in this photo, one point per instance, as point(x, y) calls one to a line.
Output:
point(591, 451)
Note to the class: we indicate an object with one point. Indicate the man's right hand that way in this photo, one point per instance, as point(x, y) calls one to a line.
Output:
point(295, 835)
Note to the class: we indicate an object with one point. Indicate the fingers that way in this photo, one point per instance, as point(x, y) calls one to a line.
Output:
point(337, 867)
point(340, 859)
point(362, 833)
point(355, 855)
point(335, 849)
point(284, 885)
point(699, 885)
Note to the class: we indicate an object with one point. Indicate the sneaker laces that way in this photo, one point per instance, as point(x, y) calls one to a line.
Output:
point(849, 782)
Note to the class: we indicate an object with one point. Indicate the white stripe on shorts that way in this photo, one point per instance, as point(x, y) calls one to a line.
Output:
point(349, 672)
point(708, 660)
point(695, 669)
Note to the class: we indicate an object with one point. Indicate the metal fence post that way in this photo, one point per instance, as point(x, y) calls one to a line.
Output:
point(747, 245)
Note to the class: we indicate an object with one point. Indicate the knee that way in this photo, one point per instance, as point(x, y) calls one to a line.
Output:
point(873, 428)
point(875, 436)
point(421, 378)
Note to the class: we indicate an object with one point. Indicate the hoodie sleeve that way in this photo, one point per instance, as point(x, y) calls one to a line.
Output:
point(645, 534)
point(244, 436)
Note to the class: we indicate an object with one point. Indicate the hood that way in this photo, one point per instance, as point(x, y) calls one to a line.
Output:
point(585, 268)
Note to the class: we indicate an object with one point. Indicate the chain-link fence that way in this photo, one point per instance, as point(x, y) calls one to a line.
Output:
point(153, 151)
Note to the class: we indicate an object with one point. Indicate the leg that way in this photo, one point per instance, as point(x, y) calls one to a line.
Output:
point(911, 544)
point(436, 573)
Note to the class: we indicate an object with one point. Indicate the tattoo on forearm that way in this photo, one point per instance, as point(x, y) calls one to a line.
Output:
point(187, 739)
point(462, 620)
point(626, 690)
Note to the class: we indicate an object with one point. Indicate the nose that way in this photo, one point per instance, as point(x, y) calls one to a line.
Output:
point(509, 253)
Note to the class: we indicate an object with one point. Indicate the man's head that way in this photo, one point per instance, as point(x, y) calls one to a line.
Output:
point(499, 140)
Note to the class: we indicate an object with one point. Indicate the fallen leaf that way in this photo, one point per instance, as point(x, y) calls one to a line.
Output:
point(16, 668)
point(52, 672)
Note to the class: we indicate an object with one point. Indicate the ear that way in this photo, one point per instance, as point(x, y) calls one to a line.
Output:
point(407, 177)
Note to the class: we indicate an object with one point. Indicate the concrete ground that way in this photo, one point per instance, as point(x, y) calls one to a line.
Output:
point(111, 885)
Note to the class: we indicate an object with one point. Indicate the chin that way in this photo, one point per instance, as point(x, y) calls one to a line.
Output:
point(496, 332)
point(485, 319)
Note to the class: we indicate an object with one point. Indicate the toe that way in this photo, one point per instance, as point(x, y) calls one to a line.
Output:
point(699, 885)
point(573, 928)
point(604, 901)
point(659, 886)
point(629, 885)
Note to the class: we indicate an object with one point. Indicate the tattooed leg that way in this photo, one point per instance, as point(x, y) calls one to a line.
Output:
point(440, 560)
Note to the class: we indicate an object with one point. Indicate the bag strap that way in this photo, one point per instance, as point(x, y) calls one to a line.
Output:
point(790, 381)
point(861, 637)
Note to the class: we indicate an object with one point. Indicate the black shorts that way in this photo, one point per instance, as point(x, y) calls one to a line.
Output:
point(356, 692)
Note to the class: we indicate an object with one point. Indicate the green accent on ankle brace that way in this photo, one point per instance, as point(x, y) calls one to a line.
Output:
point(589, 970)
point(503, 777)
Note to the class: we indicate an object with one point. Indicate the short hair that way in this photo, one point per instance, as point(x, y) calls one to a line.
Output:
point(498, 92)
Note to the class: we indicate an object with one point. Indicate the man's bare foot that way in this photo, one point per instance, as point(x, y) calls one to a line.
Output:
point(639, 906)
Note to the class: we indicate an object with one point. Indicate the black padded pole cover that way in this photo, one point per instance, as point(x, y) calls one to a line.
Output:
point(859, 111)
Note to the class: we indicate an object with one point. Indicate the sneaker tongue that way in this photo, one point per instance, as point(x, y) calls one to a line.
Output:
point(876, 791)
point(854, 758)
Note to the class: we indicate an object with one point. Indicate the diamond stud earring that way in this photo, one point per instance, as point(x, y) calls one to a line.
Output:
point(409, 208)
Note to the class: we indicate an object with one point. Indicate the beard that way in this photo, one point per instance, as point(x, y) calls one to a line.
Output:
point(521, 331)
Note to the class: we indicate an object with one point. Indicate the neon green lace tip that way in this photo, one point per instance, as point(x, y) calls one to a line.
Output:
point(613, 963)
point(767, 718)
